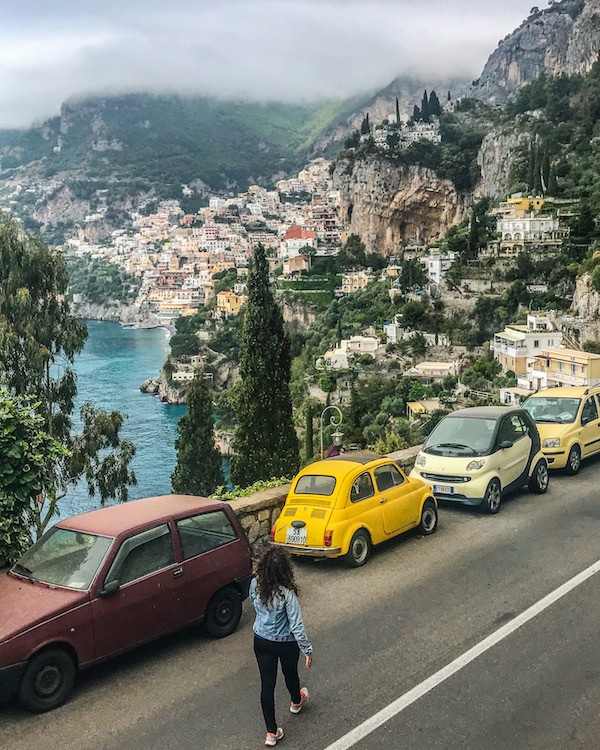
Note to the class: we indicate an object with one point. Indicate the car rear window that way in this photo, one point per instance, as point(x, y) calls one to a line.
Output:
point(315, 484)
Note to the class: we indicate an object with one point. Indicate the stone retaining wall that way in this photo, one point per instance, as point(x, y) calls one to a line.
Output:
point(258, 512)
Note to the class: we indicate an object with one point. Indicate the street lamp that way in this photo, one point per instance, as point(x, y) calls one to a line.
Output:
point(335, 420)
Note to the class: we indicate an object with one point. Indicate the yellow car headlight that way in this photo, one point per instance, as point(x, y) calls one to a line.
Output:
point(551, 443)
point(420, 460)
point(476, 465)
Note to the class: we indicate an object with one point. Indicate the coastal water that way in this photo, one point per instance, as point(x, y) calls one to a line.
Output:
point(110, 369)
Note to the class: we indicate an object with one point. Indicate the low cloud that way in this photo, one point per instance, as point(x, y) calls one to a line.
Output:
point(291, 50)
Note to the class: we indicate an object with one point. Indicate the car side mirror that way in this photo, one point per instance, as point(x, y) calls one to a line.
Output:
point(109, 589)
point(506, 444)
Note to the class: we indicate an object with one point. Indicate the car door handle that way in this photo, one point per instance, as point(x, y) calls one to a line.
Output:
point(177, 572)
point(383, 500)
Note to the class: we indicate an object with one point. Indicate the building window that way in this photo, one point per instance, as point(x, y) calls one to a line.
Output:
point(560, 366)
point(536, 344)
point(573, 369)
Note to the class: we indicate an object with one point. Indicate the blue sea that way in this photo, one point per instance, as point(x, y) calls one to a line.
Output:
point(110, 370)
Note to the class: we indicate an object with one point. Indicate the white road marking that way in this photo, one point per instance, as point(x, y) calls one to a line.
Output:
point(404, 701)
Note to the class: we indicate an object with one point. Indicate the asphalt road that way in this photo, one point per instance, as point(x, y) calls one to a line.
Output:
point(378, 632)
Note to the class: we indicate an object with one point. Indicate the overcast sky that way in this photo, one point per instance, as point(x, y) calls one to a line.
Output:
point(266, 49)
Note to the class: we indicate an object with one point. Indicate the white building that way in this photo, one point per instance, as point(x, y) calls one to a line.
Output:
point(437, 266)
point(337, 359)
point(518, 347)
point(395, 332)
point(518, 231)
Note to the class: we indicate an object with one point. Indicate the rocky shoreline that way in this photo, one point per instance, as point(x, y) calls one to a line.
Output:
point(116, 312)
point(168, 394)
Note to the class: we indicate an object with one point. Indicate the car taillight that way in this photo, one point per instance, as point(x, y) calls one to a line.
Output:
point(328, 535)
point(273, 530)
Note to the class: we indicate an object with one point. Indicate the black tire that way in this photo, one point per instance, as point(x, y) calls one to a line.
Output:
point(223, 612)
point(429, 518)
point(573, 461)
point(359, 550)
point(48, 680)
point(538, 482)
point(492, 497)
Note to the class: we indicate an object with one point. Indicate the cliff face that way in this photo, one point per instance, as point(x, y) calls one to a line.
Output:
point(564, 38)
point(586, 300)
point(495, 160)
point(391, 206)
point(115, 312)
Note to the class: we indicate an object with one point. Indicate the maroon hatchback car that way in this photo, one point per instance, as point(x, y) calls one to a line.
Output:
point(103, 582)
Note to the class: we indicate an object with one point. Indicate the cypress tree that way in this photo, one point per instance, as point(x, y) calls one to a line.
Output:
point(309, 438)
point(265, 443)
point(449, 97)
point(425, 107)
point(365, 126)
point(546, 170)
point(552, 182)
point(473, 243)
point(537, 171)
point(397, 111)
point(435, 108)
point(531, 168)
point(199, 465)
point(416, 116)
point(339, 329)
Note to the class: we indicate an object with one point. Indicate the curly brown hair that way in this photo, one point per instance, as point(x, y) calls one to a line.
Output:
point(274, 572)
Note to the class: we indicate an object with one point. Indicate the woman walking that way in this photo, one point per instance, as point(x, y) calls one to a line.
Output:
point(279, 635)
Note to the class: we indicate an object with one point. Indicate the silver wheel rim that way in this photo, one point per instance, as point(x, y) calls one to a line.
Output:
point(542, 476)
point(493, 497)
point(360, 549)
point(574, 459)
point(428, 519)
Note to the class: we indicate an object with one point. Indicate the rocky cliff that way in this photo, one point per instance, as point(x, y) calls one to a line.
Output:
point(564, 38)
point(586, 300)
point(116, 312)
point(391, 206)
point(495, 160)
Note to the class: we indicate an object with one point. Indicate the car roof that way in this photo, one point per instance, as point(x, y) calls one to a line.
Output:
point(357, 457)
point(572, 391)
point(340, 466)
point(117, 519)
point(485, 412)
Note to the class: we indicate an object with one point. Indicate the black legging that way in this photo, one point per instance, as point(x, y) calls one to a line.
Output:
point(268, 653)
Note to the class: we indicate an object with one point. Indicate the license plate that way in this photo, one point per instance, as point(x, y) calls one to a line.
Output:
point(296, 536)
point(443, 489)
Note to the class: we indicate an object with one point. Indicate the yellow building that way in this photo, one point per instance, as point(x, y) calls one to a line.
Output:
point(559, 366)
point(229, 303)
point(525, 204)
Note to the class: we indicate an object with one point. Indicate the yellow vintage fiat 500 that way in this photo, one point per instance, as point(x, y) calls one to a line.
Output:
point(569, 424)
point(342, 506)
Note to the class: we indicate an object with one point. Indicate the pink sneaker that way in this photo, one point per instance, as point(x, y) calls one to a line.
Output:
point(295, 708)
point(272, 739)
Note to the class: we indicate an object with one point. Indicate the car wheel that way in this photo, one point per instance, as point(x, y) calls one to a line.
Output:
point(492, 497)
point(48, 680)
point(573, 460)
point(223, 612)
point(538, 482)
point(359, 550)
point(429, 518)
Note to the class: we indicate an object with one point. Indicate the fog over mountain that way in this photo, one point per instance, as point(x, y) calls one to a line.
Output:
point(289, 50)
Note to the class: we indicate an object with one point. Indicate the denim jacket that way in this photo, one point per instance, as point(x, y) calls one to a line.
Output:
point(282, 621)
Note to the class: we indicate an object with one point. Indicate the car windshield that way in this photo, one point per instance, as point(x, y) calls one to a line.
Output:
point(551, 409)
point(62, 557)
point(315, 484)
point(461, 436)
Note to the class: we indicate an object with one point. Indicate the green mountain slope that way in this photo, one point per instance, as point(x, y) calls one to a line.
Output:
point(168, 141)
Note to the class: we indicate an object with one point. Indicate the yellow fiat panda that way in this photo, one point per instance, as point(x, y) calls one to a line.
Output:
point(342, 506)
point(568, 423)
